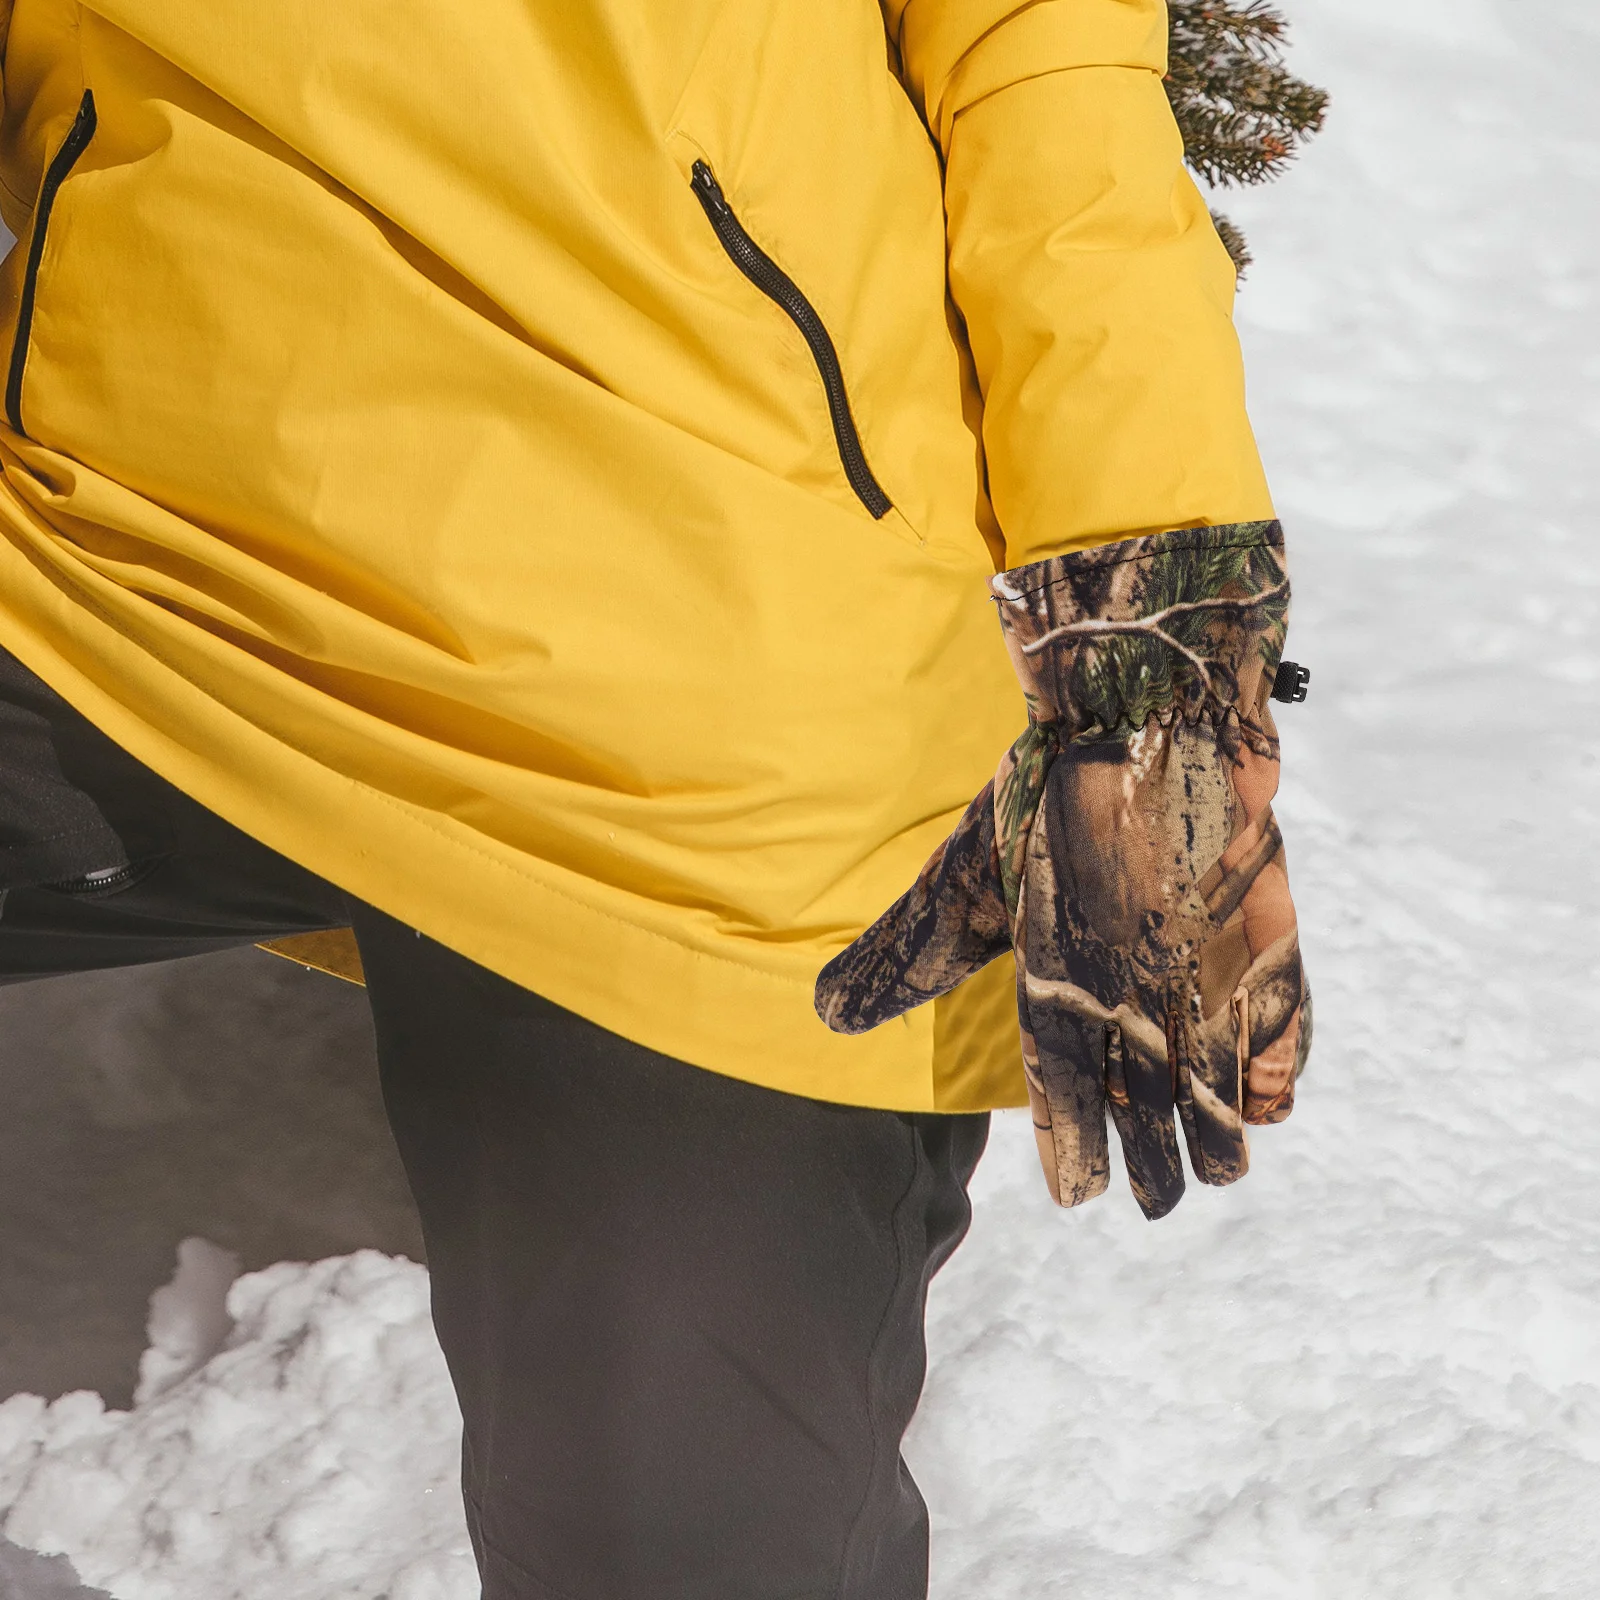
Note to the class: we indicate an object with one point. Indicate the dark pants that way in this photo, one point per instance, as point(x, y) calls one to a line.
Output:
point(684, 1315)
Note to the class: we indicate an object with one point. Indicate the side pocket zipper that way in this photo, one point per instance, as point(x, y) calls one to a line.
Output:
point(779, 287)
point(66, 158)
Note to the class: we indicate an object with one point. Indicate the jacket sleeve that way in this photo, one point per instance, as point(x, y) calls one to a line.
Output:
point(1096, 294)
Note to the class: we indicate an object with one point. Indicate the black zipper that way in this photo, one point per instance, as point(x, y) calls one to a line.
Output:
point(104, 881)
point(778, 286)
point(66, 158)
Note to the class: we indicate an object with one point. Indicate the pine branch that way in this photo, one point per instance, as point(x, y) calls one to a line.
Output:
point(1242, 113)
point(1233, 242)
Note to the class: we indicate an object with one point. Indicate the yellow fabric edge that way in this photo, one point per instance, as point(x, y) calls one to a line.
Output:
point(964, 1022)
point(333, 951)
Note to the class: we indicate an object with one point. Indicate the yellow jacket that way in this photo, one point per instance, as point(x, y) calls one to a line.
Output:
point(410, 456)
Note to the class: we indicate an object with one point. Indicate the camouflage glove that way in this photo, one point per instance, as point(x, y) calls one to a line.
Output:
point(1126, 851)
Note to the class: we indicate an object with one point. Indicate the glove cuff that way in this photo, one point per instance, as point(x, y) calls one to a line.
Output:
point(1188, 623)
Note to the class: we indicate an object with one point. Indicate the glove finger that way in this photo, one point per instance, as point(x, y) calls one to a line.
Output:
point(1256, 950)
point(951, 922)
point(1208, 1073)
point(1069, 1120)
point(1139, 1088)
point(1038, 1099)
point(1069, 1028)
point(1277, 1031)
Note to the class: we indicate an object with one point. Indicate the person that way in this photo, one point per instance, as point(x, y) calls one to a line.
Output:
point(525, 483)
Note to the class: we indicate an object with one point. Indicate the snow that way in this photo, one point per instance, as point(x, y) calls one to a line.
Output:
point(1373, 1368)
point(314, 1457)
point(189, 1320)
point(231, 1096)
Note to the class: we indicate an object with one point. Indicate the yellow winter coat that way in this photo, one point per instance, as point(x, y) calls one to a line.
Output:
point(410, 456)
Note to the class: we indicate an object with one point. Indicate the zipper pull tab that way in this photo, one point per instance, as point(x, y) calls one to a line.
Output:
point(704, 183)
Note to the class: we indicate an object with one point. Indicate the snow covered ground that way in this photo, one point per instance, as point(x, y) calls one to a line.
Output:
point(1373, 1369)
point(314, 1458)
point(233, 1096)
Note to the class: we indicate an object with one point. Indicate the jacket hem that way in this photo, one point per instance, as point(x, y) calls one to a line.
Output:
point(721, 1011)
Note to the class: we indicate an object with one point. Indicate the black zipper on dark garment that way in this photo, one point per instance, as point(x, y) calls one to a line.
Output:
point(101, 882)
point(778, 286)
point(66, 158)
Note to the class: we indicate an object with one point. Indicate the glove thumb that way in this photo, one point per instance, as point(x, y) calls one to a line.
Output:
point(951, 922)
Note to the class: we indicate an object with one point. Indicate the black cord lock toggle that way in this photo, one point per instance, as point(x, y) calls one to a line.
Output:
point(1292, 684)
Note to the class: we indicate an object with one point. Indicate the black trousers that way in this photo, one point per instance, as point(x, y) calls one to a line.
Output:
point(683, 1314)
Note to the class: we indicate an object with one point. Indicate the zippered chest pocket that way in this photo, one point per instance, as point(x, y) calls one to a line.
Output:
point(61, 165)
point(761, 270)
